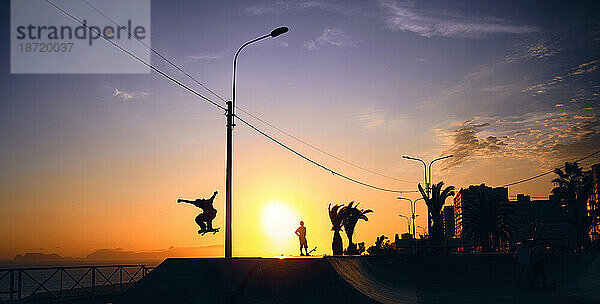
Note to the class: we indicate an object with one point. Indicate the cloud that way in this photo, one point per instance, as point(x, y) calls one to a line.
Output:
point(204, 57)
point(466, 143)
point(403, 16)
point(286, 6)
point(546, 138)
point(585, 68)
point(577, 71)
point(335, 37)
point(534, 50)
point(125, 95)
point(498, 88)
point(371, 119)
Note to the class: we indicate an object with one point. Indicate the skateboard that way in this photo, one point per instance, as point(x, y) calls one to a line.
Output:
point(311, 251)
point(214, 231)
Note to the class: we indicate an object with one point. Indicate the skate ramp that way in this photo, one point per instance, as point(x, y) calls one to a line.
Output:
point(245, 280)
point(579, 276)
point(462, 278)
point(376, 277)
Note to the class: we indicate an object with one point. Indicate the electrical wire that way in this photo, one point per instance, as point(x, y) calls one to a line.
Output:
point(318, 164)
point(156, 52)
point(551, 171)
point(137, 58)
point(241, 109)
point(321, 150)
point(248, 124)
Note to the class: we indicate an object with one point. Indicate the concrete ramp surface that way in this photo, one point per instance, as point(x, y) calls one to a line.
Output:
point(460, 278)
point(376, 278)
point(244, 280)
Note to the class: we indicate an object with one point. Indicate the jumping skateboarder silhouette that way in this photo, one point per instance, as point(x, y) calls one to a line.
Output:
point(204, 219)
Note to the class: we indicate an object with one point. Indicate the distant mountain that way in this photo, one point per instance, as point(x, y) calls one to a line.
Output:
point(38, 257)
point(118, 254)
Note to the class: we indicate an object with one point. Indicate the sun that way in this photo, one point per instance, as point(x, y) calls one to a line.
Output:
point(279, 221)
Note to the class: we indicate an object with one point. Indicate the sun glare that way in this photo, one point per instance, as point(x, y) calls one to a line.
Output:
point(279, 221)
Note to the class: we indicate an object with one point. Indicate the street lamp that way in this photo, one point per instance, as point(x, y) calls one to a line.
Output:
point(413, 209)
point(407, 221)
point(230, 124)
point(427, 179)
point(439, 158)
point(426, 170)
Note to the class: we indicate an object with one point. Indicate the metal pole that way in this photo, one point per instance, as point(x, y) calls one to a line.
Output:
point(20, 284)
point(407, 221)
point(230, 125)
point(61, 283)
point(12, 287)
point(413, 206)
point(228, 193)
point(93, 283)
point(433, 161)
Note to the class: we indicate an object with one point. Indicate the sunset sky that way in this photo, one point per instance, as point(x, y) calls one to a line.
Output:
point(511, 88)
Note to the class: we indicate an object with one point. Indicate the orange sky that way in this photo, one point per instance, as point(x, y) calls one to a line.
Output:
point(129, 202)
point(98, 160)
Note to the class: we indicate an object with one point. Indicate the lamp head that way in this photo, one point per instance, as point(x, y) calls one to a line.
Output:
point(279, 31)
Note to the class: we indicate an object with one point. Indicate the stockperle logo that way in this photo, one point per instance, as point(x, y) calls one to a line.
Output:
point(45, 39)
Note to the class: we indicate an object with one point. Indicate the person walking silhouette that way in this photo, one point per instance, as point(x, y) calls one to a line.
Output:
point(301, 233)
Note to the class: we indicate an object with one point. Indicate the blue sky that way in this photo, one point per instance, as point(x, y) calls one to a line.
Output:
point(511, 88)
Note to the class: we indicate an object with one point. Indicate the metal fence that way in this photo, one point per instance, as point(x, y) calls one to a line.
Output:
point(59, 284)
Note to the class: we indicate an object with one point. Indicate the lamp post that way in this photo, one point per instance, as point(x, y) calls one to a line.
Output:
point(413, 209)
point(427, 178)
point(407, 221)
point(427, 169)
point(230, 124)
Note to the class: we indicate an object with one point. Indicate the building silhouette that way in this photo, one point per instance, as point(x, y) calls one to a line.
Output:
point(542, 220)
point(467, 196)
point(448, 222)
point(593, 203)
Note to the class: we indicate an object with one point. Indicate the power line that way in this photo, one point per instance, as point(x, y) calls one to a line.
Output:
point(138, 58)
point(551, 171)
point(246, 112)
point(321, 150)
point(318, 164)
point(205, 98)
point(156, 52)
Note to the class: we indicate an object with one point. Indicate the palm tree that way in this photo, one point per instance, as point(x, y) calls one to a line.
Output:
point(351, 216)
point(571, 186)
point(486, 219)
point(435, 203)
point(336, 215)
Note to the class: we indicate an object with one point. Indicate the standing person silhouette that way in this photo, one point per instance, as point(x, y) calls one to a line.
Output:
point(538, 260)
point(301, 233)
point(523, 260)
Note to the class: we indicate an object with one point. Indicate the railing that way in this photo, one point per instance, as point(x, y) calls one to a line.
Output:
point(57, 284)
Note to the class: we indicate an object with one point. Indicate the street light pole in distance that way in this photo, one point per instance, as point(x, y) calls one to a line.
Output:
point(230, 124)
point(427, 179)
point(407, 221)
point(413, 210)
